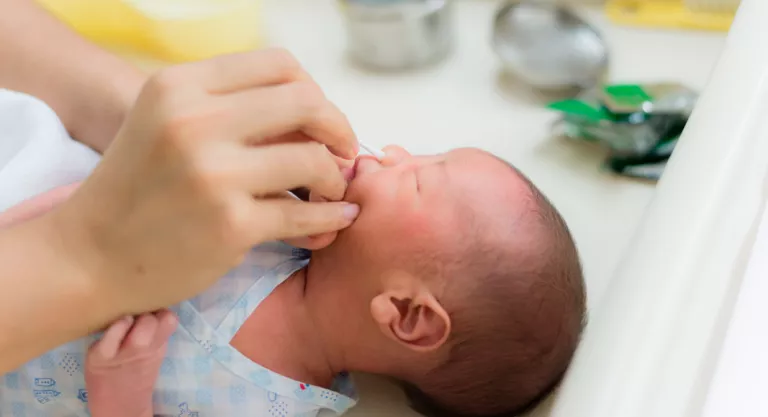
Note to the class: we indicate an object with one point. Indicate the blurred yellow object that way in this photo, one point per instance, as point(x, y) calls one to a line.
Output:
point(169, 30)
point(684, 14)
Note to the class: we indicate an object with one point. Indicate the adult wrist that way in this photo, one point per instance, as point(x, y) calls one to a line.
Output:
point(104, 111)
point(72, 238)
point(49, 298)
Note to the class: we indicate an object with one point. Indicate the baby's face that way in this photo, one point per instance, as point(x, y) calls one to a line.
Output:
point(416, 208)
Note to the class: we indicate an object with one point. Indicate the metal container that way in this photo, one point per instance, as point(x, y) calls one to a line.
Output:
point(398, 34)
point(548, 46)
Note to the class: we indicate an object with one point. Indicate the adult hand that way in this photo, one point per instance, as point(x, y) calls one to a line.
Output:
point(192, 179)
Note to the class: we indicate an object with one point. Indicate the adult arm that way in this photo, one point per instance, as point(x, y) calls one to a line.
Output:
point(45, 296)
point(181, 196)
point(90, 89)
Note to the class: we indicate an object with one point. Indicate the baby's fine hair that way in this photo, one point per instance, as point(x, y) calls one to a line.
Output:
point(516, 327)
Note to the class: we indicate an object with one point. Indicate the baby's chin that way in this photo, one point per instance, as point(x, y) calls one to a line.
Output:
point(358, 194)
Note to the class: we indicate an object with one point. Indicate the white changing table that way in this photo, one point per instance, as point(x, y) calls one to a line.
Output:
point(680, 331)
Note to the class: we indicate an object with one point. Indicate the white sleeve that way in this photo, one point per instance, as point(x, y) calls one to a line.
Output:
point(36, 153)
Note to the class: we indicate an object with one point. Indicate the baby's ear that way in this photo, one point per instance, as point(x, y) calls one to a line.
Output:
point(418, 321)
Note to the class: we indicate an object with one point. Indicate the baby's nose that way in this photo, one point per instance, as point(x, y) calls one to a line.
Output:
point(394, 155)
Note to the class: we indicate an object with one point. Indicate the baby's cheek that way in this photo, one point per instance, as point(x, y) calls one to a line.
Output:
point(437, 228)
point(417, 231)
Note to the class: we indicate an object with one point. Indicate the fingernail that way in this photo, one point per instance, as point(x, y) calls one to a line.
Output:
point(351, 211)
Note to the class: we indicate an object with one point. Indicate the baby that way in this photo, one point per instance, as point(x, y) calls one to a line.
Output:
point(459, 279)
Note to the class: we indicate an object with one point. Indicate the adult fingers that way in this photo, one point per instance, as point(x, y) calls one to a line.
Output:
point(257, 115)
point(266, 170)
point(235, 72)
point(309, 242)
point(282, 219)
point(298, 137)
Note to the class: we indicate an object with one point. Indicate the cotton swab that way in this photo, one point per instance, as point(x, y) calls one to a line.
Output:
point(373, 151)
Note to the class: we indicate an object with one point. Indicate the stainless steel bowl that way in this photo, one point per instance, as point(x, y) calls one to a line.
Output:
point(398, 34)
point(549, 46)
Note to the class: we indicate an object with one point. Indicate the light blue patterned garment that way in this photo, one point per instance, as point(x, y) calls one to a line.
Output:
point(202, 375)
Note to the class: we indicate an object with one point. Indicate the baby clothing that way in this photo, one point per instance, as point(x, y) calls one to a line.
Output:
point(202, 375)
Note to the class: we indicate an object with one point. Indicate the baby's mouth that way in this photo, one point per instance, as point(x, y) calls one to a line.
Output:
point(352, 173)
point(349, 173)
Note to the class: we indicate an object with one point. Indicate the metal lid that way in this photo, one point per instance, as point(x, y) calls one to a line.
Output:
point(549, 46)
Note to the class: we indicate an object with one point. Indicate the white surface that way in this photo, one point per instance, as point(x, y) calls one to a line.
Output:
point(653, 344)
point(464, 102)
point(739, 382)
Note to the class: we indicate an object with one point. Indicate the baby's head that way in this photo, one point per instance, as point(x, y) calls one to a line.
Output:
point(459, 279)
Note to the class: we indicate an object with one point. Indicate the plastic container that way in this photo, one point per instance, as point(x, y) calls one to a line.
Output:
point(168, 30)
point(714, 15)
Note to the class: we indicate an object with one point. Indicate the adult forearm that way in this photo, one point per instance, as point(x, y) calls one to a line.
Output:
point(45, 297)
point(89, 88)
